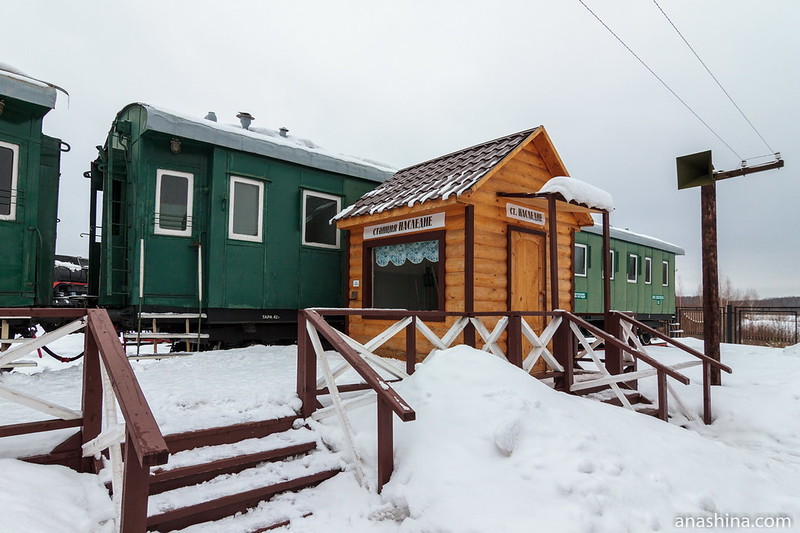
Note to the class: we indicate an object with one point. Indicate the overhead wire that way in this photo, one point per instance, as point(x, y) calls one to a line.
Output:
point(719, 84)
point(645, 65)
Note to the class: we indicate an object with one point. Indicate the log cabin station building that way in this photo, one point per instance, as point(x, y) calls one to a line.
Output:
point(488, 228)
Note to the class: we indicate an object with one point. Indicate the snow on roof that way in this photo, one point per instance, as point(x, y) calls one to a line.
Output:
point(636, 238)
point(580, 192)
point(263, 141)
point(439, 178)
point(16, 84)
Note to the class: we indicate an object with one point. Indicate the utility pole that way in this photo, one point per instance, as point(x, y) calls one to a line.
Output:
point(696, 170)
point(711, 320)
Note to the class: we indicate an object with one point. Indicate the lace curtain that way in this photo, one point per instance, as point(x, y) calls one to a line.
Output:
point(398, 254)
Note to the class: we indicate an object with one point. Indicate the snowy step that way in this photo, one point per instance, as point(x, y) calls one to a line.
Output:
point(166, 480)
point(228, 494)
point(178, 442)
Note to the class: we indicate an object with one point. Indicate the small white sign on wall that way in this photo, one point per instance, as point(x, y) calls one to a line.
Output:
point(525, 214)
point(408, 225)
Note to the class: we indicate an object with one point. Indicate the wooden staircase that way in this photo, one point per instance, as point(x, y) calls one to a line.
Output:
point(218, 472)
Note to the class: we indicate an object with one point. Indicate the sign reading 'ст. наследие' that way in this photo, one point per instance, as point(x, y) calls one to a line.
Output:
point(525, 214)
point(408, 225)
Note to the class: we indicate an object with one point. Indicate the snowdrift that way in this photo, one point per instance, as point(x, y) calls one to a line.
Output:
point(494, 450)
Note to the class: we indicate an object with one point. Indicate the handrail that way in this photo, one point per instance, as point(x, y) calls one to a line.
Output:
point(597, 332)
point(143, 431)
point(146, 445)
point(677, 344)
point(393, 313)
point(373, 379)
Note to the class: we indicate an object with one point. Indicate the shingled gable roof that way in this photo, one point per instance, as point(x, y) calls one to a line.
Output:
point(437, 179)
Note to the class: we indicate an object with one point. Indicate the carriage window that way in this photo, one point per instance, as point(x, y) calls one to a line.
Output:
point(648, 270)
point(247, 209)
point(8, 180)
point(407, 276)
point(633, 268)
point(665, 273)
point(614, 264)
point(174, 203)
point(318, 209)
point(580, 260)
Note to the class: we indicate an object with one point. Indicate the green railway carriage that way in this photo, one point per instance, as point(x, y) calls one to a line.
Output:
point(29, 177)
point(230, 222)
point(643, 277)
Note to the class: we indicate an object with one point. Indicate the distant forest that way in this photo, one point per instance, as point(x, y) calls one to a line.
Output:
point(785, 301)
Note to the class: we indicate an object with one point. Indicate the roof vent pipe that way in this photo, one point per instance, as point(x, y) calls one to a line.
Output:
point(284, 131)
point(246, 119)
point(211, 116)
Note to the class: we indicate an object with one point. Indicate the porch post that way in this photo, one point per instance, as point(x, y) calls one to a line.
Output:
point(610, 324)
point(551, 208)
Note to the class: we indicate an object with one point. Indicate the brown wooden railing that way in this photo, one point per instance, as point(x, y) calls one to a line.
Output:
point(309, 349)
point(558, 344)
point(662, 371)
point(707, 362)
point(104, 362)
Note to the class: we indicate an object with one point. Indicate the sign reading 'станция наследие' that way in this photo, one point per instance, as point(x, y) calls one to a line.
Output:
point(525, 214)
point(408, 225)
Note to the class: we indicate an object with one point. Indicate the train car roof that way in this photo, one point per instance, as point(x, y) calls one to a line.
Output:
point(262, 141)
point(16, 84)
point(636, 238)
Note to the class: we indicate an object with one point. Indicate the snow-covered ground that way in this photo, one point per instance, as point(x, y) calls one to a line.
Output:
point(491, 449)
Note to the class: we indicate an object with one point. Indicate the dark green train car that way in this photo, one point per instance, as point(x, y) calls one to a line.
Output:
point(643, 277)
point(29, 174)
point(227, 221)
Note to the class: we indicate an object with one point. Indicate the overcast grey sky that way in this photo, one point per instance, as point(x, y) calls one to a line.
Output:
point(405, 81)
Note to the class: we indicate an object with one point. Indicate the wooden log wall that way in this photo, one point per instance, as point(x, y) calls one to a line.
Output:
point(527, 171)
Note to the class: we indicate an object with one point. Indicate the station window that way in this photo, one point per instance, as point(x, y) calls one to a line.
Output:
point(633, 268)
point(174, 198)
point(318, 210)
point(648, 270)
point(581, 260)
point(246, 215)
point(9, 157)
point(406, 274)
point(665, 273)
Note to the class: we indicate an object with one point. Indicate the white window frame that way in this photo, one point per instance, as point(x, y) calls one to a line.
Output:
point(158, 230)
point(635, 269)
point(12, 214)
point(585, 260)
point(613, 263)
point(259, 237)
point(665, 280)
point(338, 199)
point(648, 270)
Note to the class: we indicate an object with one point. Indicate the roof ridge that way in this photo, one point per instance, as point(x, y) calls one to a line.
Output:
point(467, 149)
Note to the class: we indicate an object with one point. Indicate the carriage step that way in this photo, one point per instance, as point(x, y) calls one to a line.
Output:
point(157, 356)
point(168, 316)
point(165, 336)
point(19, 364)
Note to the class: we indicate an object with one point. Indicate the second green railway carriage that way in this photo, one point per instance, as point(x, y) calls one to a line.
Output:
point(642, 277)
point(228, 222)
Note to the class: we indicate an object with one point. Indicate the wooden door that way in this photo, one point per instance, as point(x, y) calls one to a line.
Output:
point(527, 284)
